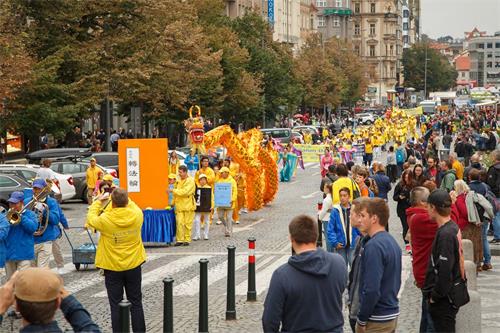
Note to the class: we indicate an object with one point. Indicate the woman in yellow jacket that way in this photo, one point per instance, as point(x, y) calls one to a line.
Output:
point(120, 253)
point(173, 163)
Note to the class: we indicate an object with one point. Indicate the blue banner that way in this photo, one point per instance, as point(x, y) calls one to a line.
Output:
point(270, 11)
point(222, 195)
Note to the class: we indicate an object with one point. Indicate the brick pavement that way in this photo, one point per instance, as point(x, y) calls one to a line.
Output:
point(299, 196)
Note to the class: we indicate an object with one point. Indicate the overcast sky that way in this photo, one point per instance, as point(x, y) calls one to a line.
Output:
point(454, 17)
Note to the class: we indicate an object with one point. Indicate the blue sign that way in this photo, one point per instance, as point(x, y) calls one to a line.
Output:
point(222, 195)
point(270, 11)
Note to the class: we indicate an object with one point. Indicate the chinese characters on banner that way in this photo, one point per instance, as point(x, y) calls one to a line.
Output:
point(133, 171)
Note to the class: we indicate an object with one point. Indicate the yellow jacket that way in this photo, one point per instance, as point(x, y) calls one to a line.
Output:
point(120, 246)
point(209, 172)
point(340, 184)
point(459, 169)
point(173, 168)
point(184, 195)
point(234, 190)
point(92, 176)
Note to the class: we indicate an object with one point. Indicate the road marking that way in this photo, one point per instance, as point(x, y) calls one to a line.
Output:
point(309, 196)
point(405, 273)
point(262, 278)
point(215, 273)
point(316, 174)
point(241, 289)
point(309, 164)
point(247, 227)
point(293, 182)
point(158, 274)
point(287, 248)
point(315, 167)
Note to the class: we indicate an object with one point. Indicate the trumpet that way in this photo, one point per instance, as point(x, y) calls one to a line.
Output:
point(14, 217)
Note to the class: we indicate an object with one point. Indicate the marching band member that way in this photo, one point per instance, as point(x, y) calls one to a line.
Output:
point(43, 243)
point(4, 232)
point(20, 240)
point(56, 248)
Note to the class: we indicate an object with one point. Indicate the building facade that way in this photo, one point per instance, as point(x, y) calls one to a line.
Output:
point(334, 18)
point(238, 8)
point(377, 37)
point(286, 25)
point(484, 53)
point(308, 20)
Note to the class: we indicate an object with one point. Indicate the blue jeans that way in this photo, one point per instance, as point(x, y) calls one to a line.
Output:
point(496, 226)
point(346, 254)
point(426, 324)
point(486, 245)
point(329, 247)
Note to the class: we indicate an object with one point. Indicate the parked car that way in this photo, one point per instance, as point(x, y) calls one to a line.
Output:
point(314, 130)
point(363, 119)
point(297, 137)
point(284, 135)
point(106, 159)
point(63, 187)
point(78, 170)
point(36, 157)
point(9, 184)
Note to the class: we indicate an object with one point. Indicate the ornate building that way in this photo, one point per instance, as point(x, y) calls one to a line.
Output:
point(376, 33)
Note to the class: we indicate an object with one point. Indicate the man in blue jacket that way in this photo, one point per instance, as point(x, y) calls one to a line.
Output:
point(305, 294)
point(43, 242)
point(4, 232)
point(380, 274)
point(20, 240)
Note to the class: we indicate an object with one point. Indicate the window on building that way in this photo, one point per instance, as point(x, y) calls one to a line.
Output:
point(405, 39)
point(406, 13)
point(321, 21)
point(372, 8)
point(489, 64)
point(338, 3)
point(357, 50)
point(320, 3)
point(490, 45)
point(462, 74)
point(489, 55)
point(391, 50)
point(405, 26)
point(497, 45)
point(372, 50)
point(336, 21)
point(357, 30)
point(372, 28)
point(357, 8)
point(497, 64)
point(480, 46)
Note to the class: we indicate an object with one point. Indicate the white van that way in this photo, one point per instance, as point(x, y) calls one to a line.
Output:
point(429, 107)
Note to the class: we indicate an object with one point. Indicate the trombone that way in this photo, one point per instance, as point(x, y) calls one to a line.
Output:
point(14, 217)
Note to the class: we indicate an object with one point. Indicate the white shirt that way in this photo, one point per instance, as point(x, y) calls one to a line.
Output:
point(324, 213)
point(46, 173)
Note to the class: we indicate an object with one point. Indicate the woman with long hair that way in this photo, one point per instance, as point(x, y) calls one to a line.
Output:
point(460, 215)
point(418, 174)
point(173, 163)
point(402, 197)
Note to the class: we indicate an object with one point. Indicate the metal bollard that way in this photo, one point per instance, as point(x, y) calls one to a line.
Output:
point(203, 311)
point(319, 242)
point(251, 293)
point(231, 282)
point(124, 316)
point(168, 307)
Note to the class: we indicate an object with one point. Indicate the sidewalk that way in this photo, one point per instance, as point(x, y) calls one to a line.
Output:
point(488, 283)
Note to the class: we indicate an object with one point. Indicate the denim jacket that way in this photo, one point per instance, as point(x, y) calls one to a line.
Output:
point(75, 314)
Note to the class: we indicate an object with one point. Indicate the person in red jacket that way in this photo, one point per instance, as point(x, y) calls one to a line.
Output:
point(422, 230)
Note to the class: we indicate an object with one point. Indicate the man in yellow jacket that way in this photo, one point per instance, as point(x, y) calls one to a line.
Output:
point(120, 253)
point(185, 206)
point(92, 175)
point(226, 212)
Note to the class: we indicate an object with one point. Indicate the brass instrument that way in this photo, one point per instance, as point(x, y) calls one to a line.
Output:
point(14, 217)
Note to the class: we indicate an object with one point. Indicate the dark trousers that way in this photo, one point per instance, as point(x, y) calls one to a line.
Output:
point(426, 325)
point(392, 172)
point(130, 280)
point(443, 315)
point(404, 224)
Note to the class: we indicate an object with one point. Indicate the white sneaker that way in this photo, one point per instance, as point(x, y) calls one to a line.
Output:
point(60, 271)
point(244, 210)
point(205, 238)
point(237, 222)
point(218, 222)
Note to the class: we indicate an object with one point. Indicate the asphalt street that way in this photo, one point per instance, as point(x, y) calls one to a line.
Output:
point(269, 227)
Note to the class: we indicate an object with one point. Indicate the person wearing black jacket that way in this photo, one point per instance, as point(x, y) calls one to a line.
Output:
point(493, 181)
point(446, 265)
point(330, 177)
point(402, 197)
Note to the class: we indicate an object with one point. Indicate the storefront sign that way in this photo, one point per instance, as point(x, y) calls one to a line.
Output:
point(270, 11)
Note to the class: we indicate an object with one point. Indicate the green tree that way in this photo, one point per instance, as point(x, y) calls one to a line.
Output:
point(441, 75)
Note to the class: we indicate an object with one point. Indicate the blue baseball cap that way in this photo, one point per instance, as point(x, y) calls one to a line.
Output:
point(39, 183)
point(16, 197)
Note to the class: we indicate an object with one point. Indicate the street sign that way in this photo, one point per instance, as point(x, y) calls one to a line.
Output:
point(270, 11)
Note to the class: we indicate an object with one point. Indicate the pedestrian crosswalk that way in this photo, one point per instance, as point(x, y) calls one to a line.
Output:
point(186, 267)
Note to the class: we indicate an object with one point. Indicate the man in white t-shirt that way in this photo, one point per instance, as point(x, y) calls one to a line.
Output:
point(45, 172)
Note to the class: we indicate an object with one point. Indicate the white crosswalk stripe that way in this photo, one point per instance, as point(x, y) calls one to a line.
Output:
point(215, 273)
point(162, 272)
point(262, 278)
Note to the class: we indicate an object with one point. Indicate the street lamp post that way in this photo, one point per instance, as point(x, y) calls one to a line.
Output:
point(425, 73)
